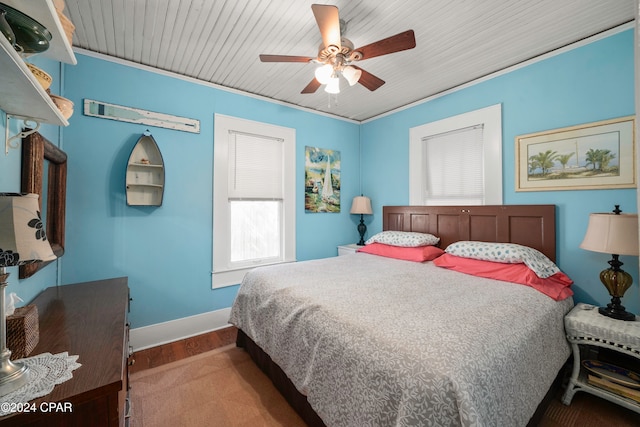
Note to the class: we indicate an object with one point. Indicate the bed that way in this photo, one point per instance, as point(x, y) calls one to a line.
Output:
point(366, 340)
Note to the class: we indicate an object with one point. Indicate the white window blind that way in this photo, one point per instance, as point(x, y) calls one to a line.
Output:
point(255, 167)
point(454, 171)
point(465, 153)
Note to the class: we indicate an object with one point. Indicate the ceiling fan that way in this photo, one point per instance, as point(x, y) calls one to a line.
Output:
point(337, 54)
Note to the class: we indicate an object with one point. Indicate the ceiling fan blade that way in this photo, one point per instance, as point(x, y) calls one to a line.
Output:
point(368, 80)
point(402, 41)
point(329, 24)
point(285, 58)
point(312, 86)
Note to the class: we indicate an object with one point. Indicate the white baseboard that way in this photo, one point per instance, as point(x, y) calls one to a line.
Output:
point(174, 330)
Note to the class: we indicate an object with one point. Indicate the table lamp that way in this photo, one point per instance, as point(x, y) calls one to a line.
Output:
point(361, 205)
point(22, 241)
point(616, 234)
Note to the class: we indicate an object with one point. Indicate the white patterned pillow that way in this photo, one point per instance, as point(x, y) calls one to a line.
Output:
point(408, 239)
point(507, 253)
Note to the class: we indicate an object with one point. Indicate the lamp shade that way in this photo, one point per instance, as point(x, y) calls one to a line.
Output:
point(333, 86)
point(361, 205)
point(612, 234)
point(22, 236)
point(351, 74)
point(324, 73)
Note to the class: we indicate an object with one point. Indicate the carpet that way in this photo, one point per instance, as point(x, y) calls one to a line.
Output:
point(224, 388)
point(219, 388)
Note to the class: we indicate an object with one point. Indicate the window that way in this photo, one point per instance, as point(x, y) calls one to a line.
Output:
point(445, 155)
point(254, 197)
point(458, 160)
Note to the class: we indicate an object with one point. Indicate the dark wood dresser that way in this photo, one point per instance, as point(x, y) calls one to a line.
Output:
point(89, 320)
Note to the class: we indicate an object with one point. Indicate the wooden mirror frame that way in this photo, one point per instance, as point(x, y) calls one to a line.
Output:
point(35, 150)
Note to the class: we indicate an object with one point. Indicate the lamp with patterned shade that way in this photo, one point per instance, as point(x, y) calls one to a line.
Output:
point(22, 241)
point(616, 234)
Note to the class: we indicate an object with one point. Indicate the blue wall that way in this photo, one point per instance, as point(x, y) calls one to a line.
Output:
point(166, 251)
point(591, 83)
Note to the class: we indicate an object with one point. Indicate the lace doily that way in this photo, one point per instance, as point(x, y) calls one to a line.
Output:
point(45, 371)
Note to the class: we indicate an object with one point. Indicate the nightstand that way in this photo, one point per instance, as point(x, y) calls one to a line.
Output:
point(348, 249)
point(586, 327)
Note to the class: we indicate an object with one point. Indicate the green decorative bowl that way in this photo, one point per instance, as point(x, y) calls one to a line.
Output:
point(31, 36)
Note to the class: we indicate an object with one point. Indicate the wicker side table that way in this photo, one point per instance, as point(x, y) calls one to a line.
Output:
point(585, 326)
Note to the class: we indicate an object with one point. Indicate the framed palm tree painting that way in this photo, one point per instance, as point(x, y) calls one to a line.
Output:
point(596, 155)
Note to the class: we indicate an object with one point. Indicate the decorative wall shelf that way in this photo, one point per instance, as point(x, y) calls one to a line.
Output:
point(145, 173)
point(21, 95)
point(45, 13)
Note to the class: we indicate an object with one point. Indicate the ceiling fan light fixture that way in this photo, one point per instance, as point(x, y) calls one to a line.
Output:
point(333, 86)
point(351, 74)
point(324, 73)
point(336, 52)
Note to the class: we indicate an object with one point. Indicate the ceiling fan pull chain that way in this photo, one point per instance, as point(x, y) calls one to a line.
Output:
point(335, 99)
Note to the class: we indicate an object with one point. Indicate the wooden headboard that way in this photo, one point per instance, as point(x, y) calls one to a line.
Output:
point(529, 225)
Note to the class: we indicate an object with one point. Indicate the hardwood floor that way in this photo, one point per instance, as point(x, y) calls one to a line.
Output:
point(585, 409)
point(167, 353)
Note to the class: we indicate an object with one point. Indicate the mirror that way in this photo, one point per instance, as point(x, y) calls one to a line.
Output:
point(40, 155)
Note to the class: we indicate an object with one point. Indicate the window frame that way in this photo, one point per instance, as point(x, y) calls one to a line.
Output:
point(491, 120)
point(223, 273)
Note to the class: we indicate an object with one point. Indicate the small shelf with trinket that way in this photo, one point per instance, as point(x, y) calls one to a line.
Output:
point(145, 173)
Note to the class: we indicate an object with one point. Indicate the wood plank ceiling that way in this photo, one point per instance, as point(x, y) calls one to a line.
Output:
point(219, 41)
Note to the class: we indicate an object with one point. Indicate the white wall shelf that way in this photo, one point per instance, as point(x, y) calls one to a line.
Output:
point(21, 95)
point(145, 173)
point(45, 13)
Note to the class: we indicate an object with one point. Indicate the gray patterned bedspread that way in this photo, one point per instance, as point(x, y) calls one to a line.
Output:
point(375, 341)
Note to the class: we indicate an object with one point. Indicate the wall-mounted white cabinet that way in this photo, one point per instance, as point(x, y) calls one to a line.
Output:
point(145, 173)
point(20, 93)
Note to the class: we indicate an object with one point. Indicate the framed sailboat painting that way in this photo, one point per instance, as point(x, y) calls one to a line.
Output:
point(322, 180)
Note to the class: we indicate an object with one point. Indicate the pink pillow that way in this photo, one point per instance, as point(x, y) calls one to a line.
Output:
point(418, 254)
point(555, 286)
